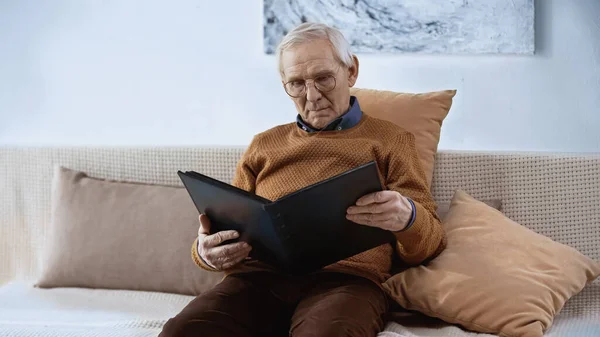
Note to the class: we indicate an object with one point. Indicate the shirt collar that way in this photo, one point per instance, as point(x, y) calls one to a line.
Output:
point(345, 121)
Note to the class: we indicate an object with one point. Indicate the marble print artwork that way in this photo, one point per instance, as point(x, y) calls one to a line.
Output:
point(411, 26)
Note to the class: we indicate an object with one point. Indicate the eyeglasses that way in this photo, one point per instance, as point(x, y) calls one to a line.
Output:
point(297, 88)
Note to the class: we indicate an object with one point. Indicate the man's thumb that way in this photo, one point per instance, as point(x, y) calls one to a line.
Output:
point(205, 223)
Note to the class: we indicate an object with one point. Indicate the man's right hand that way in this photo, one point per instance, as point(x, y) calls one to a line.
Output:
point(220, 257)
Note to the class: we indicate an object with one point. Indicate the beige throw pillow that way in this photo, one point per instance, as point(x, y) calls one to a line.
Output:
point(421, 114)
point(495, 276)
point(120, 235)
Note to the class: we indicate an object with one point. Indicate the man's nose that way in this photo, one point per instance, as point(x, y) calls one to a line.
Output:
point(312, 94)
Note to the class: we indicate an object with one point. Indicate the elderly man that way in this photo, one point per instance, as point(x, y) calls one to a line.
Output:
point(329, 136)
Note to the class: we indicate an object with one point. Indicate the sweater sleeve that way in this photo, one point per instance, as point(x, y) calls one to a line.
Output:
point(425, 238)
point(245, 172)
point(245, 179)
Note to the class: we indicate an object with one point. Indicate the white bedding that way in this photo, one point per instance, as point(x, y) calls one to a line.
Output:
point(26, 311)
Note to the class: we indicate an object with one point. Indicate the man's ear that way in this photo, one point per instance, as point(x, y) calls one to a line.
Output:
point(353, 71)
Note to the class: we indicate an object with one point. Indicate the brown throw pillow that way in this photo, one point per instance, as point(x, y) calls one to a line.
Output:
point(120, 235)
point(495, 276)
point(443, 208)
point(421, 114)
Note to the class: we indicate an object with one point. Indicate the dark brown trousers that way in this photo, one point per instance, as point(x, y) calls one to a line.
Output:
point(268, 304)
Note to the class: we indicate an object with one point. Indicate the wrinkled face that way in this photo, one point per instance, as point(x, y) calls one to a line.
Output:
point(314, 65)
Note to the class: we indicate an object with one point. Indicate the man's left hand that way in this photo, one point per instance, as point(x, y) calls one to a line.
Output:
point(385, 209)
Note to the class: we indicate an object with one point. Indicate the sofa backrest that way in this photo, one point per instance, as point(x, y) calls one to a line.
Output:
point(557, 195)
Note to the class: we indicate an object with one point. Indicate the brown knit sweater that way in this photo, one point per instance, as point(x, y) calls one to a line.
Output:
point(286, 158)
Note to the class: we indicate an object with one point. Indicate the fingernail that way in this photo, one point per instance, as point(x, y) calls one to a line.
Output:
point(236, 234)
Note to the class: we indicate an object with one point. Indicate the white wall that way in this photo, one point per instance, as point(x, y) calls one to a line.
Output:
point(192, 72)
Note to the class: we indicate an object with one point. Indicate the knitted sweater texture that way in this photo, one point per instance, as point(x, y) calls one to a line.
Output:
point(286, 158)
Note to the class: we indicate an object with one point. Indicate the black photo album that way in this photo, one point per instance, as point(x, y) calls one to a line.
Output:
point(300, 232)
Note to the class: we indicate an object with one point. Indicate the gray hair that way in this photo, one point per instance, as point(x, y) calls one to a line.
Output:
point(307, 32)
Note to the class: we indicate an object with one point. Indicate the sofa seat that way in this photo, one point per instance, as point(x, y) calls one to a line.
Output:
point(29, 311)
point(26, 311)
